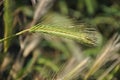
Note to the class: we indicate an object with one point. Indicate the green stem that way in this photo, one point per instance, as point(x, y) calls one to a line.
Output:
point(17, 34)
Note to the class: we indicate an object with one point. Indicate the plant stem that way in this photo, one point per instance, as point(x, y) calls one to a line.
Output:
point(17, 34)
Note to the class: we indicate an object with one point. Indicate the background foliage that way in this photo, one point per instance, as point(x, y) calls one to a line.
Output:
point(72, 39)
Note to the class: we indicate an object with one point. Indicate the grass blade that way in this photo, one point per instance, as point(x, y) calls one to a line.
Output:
point(8, 21)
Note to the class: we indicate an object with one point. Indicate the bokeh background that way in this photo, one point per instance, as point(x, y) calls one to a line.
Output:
point(39, 56)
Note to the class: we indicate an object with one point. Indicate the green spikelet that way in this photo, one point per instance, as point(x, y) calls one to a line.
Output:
point(80, 33)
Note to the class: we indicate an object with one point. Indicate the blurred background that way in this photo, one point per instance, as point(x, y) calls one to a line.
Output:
point(39, 56)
